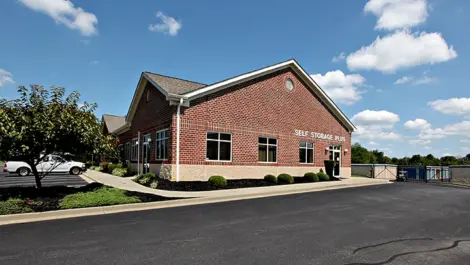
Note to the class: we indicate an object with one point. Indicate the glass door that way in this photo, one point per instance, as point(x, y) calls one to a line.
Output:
point(335, 155)
point(146, 154)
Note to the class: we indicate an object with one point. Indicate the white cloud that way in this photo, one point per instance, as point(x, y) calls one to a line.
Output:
point(340, 57)
point(465, 141)
point(340, 87)
point(380, 118)
point(456, 129)
point(453, 106)
point(169, 25)
point(397, 14)
point(372, 143)
point(376, 125)
point(419, 141)
point(420, 81)
point(95, 62)
point(379, 90)
point(6, 77)
point(399, 50)
point(64, 12)
point(86, 42)
point(425, 80)
point(418, 124)
point(404, 80)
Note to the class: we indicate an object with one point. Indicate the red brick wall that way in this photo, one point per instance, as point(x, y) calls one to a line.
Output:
point(261, 107)
point(150, 117)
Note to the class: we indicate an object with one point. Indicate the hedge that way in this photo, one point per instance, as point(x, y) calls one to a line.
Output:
point(218, 181)
point(311, 177)
point(323, 177)
point(270, 179)
point(285, 178)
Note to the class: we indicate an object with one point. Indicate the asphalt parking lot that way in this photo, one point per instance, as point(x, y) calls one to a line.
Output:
point(401, 223)
point(13, 180)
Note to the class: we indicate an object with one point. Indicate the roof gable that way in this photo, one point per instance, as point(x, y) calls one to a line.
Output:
point(179, 90)
point(113, 122)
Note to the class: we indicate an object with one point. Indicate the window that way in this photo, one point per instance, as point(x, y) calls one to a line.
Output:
point(267, 150)
point(306, 152)
point(127, 150)
point(219, 146)
point(161, 145)
point(134, 149)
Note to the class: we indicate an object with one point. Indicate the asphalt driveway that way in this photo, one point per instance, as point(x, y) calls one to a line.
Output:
point(12, 180)
point(401, 223)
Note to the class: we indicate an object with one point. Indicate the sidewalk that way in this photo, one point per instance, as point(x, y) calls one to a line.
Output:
point(128, 184)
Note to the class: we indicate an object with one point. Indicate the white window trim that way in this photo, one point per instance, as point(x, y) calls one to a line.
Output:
point(133, 145)
point(267, 150)
point(156, 141)
point(218, 145)
point(308, 148)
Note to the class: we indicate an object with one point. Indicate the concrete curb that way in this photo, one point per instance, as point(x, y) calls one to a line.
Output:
point(87, 178)
point(63, 214)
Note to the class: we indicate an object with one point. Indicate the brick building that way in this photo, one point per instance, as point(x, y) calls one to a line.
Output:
point(268, 121)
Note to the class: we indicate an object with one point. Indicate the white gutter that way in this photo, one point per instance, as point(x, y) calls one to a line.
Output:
point(178, 117)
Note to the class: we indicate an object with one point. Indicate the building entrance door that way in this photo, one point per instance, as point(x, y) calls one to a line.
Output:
point(146, 154)
point(335, 155)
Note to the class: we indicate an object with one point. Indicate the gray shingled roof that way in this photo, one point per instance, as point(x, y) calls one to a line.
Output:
point(174, 85)
point(113, 122)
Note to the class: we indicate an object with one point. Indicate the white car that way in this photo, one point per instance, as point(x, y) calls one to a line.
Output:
point(50, 163)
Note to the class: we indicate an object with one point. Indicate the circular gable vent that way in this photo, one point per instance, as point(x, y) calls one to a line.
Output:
point(289, 84)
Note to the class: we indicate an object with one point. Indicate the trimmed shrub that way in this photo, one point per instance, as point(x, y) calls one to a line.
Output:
point(98, 197)
point(149, 175)
point(154, 184)
point(329, 167)
point(285, 178)
point(112, 167)
point(120, 172)
point(323, 177)
point(270, 179)
point(218, 181)
point(12, 206)
point(311, 177)
point(137, 178)
point(145, 180)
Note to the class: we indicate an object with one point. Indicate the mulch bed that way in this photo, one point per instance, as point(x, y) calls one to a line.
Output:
point(48, 198)
point(231, 184)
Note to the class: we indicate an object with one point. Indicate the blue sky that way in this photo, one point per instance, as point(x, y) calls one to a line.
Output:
point(397, 68)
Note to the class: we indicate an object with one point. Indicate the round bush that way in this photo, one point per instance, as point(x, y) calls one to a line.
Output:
point(149, 175)
point(218, 181)
point(270, 179)
point(154, 184)
point(285, 178)
point(120, 172)
point(323, 176)
point(311, 177)
point(145, 181)
point(112, 167)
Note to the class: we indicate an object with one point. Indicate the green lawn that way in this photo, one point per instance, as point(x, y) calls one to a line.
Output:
point(2, 163)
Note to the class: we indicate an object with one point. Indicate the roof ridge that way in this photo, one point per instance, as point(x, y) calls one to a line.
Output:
point(176, 78)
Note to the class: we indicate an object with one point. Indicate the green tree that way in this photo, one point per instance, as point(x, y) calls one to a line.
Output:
point(449, 161)
point(360, 155)
point(41, 122)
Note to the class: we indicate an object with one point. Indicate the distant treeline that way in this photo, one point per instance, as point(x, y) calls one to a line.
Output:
point(361, 155)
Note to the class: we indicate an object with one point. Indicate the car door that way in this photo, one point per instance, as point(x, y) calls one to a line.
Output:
point(60, 165)
point(45, 164)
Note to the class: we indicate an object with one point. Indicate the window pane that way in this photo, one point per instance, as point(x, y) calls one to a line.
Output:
point(309, 145)
point(309, 155)
point(211, 135)
point(212, 150)
point(158, 150)
point(262, 140)
point(272, 154)
point(302, 144)
point(167, 133)
point(165, 149)
point(262, 151)
point(302, 155)
point(225, 136)
point(272, 141)
point(225, 151)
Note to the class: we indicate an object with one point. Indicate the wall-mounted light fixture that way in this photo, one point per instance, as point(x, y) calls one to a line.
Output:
point(346, 151)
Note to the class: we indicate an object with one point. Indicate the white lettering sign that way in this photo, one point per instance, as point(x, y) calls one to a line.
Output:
point(317, 135)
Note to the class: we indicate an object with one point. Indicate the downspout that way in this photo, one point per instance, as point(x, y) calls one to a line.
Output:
point(178, 117)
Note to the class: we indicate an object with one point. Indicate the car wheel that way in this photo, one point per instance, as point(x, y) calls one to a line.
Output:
point(23, 172)
point(75, 171)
